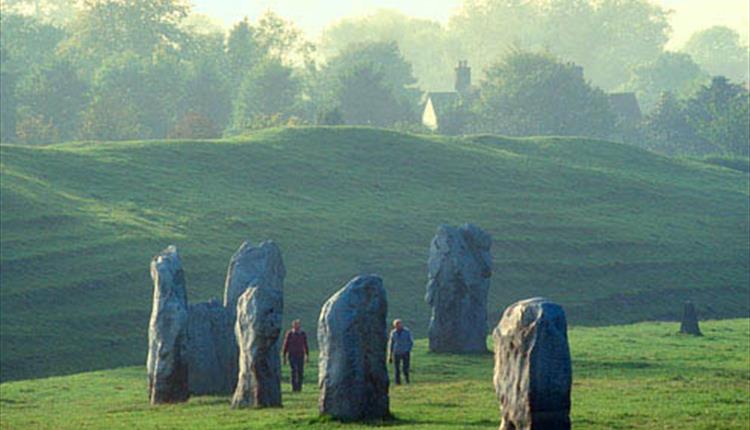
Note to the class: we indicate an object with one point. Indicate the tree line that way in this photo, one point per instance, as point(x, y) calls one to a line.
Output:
point(143, 69)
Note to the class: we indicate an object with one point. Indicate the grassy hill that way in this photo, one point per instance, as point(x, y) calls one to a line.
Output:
point(614, 233)
point(641, 376)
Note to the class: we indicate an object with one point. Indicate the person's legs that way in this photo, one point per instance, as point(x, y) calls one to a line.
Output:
point(294, 363)
point(397, 367)
point(406, 363)
point(300, 373)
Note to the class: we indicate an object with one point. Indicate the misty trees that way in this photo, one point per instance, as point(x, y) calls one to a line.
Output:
point(674, 72)
point(425, 44)
point(719, 51)
point(133, 98)
point(143, 27)
point(667, 130)
point(606, 37)
point(714, 120)
point(51, 94)
point(535, 94)
point(242, 51)
point(719, 114)
point(370, 83)
point(269, 90)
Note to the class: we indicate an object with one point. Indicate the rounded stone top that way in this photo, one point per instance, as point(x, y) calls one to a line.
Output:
point(526, 313)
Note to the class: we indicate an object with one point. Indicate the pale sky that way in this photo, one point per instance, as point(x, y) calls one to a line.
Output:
point(314, 15)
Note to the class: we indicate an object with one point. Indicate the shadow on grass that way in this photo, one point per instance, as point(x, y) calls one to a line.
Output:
point(394, 421)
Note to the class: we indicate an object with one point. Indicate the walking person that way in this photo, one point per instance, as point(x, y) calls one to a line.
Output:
point(399, 350)
point(295, 349)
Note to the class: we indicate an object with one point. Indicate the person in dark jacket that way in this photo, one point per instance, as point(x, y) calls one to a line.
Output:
point(295, 349)
point(399, 350)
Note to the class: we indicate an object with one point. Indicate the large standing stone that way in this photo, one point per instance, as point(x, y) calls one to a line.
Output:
point(210, 349)
point(459, 270)
point(352, 339)
point(259, 314)
point(533, 373)
point(167, 332)
point(250, 266)
point(260, 266)
point(689, 323)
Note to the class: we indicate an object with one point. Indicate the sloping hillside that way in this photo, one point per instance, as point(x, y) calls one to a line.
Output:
point(614, 233)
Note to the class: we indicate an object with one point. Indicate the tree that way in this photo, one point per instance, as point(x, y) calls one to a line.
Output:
point(207, 95)
point(268, 89)
point(7, 100)
point(57, 12)
point(133, 99)
point(142, 27)
point(719, 51)
point(282, 40)
point(424, 43)
point(53, 93)
point(719, 114)
point(390, 73)
point(673, 72)
point(486, 30)
point(27, 42)
point(331, 116)
point(606, 37)
point(364, 96)
point(535, 94)
point(242, 51)
point(667, 130)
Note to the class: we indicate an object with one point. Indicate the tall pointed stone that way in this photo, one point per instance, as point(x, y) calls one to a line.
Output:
point(459, 270)
point(259, 266)
point(258, 326)
point(533, 373)
point(352, 339)
point(167, 333)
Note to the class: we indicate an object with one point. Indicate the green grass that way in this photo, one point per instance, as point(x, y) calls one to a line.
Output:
point(641, 376)
point(613, 233)
point(741, 164)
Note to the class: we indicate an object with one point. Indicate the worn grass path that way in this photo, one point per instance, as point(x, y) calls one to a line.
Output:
point(640, 376)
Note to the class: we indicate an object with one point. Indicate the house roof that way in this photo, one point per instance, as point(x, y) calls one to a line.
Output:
point(625, 105)
point(442, 102)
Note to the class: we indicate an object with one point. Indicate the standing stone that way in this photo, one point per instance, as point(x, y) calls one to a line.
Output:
point(533, 373)
point(259, 314)
point(260, 266)
point(167, 332)
point(689, 323)
point(209, 349)
point(459, 270)
point(250, 266)
point(352, 338)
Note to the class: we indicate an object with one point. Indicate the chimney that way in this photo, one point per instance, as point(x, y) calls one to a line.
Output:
point(463, 77)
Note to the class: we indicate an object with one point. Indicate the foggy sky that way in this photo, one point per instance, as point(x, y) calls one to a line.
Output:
point(313, 15)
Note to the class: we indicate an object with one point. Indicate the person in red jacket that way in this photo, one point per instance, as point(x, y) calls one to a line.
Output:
point(295, 349)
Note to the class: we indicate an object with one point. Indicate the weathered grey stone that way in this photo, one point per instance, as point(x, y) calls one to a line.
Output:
point(257, 266)
point(250, 266)
point(167, 332)
point(352, 339)
point(459, 270)
point(259, 314)
point(533, 372)
point(210, 345)
point(689, 323)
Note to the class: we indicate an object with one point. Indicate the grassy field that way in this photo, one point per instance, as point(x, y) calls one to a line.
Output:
point(614, 233)
point(641, 376)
